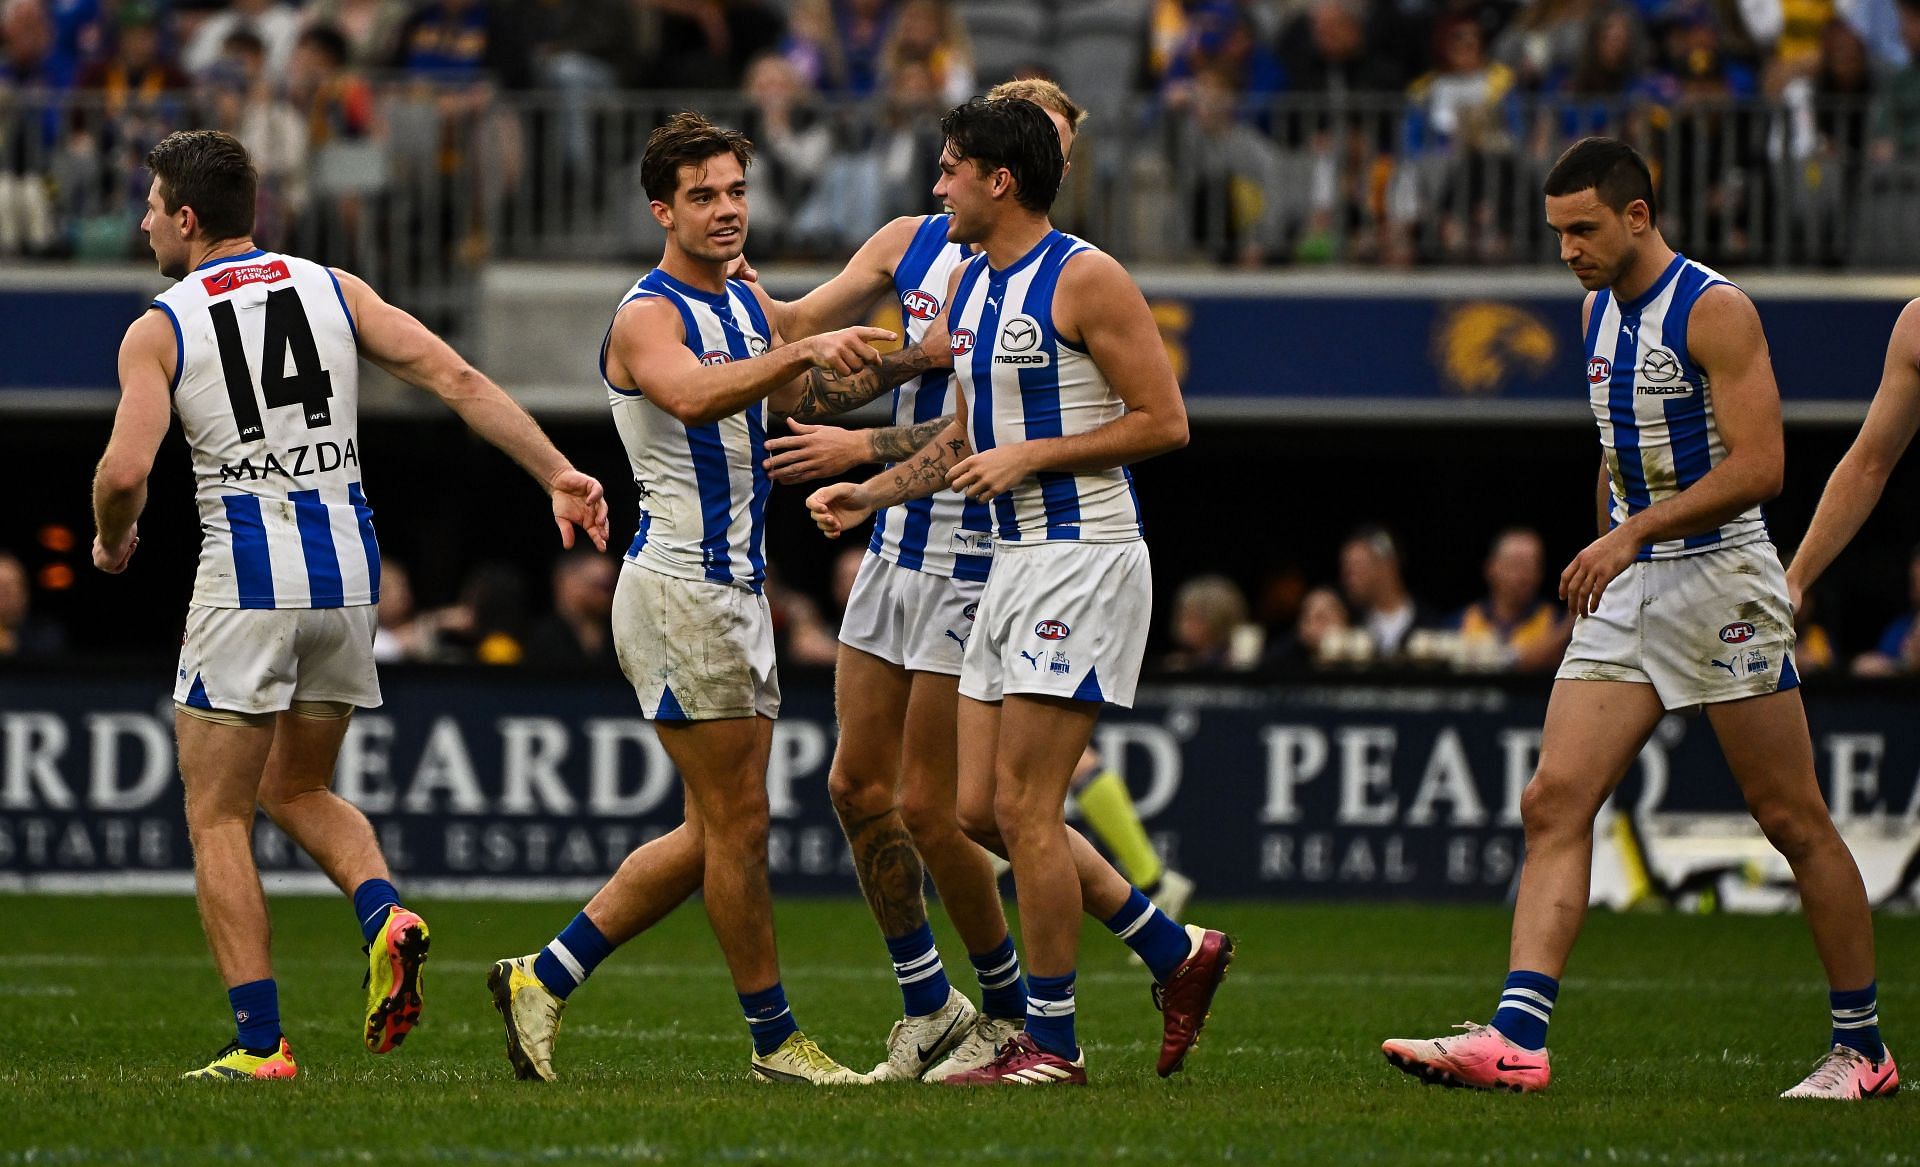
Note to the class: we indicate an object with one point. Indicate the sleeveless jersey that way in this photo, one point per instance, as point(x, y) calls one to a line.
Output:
point(266, 383)
point(947, 533)
point(1023, 381)
point(1654, 406)
point(703, 490)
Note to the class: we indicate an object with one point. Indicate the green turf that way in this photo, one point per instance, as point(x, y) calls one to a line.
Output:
point(1672, 1038)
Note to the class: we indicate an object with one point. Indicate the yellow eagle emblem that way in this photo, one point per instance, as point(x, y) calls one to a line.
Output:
point(1480, 345)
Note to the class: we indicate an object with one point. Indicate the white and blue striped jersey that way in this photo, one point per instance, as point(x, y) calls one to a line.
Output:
point(703, 489)
point(1654, 406)
point(1024, 381)
point(946, 534)
point(267, 386)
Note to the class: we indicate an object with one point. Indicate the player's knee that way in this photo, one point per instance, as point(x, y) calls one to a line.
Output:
point(977, 823)
point(931, 821)
point(739, 824)
point(1021, 813)
point(1794, 827)
point(1556, 803)
point(856, 796)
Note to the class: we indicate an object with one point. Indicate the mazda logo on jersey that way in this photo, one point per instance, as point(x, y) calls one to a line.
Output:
point(962, 342)
point(756, 346)
point(1599, 370)
point(1051, 630)
point(1660, 366)
point(920, 304)
point(715, 358)
point(1020, 334)
point(1738, 632)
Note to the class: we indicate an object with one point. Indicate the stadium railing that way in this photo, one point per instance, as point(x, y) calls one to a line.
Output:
point(433, 188)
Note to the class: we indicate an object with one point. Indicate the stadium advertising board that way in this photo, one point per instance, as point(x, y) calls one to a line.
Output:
point(1335, 792)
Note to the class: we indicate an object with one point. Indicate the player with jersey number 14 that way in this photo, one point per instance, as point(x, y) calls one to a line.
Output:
point(259, 355)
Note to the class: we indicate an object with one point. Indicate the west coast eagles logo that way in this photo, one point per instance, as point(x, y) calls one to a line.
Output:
point(1019, 337)
point(1481, 347)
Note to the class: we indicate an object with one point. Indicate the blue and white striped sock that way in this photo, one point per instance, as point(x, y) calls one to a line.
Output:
point(1163, 944)
point(570, 958)
point(1526, 1006)
point(1050, 1015)
point(1856, 1020)
point(1002, 993)
point(769, 1018)
point(916, 965)
point(371, 901)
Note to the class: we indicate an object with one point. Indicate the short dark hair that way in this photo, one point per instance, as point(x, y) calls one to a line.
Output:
point(1611, 169)
point(687, 139)
point(329, 40)
point(209, 171)
point(1011, 133)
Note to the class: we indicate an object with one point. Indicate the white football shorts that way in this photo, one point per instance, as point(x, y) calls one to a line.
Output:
point(693, 649)
point(1062, 619)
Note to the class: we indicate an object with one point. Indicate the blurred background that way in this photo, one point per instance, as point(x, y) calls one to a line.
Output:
point(1333, 208)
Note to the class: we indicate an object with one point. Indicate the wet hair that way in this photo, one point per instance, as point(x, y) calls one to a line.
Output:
point(686, 139)
point(1611, 169)
point(1011, 134)
point(209, 171)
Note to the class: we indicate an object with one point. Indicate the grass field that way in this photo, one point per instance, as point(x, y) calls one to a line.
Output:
point(1672, 1037)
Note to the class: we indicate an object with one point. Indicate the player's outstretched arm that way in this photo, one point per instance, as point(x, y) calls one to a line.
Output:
point(648, 351)
point(1726, 341)
point(1862, 474)
point(821, 451)
point(394, 340)
point(1098, 305)
point(147, 367)
point(844, 505)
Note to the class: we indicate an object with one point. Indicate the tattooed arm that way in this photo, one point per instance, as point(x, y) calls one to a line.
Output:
point(843, 505)
point(828, 393)
point(822, 451)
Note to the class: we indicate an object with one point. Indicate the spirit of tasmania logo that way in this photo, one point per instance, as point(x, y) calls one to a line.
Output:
point(227, 279)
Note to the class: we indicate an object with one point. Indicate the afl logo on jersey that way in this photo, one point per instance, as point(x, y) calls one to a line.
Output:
point(715, 358)
point(1051, 630)
point(1738, 632)
point(1660, 366)
point(1599, 370)
point(962, 342)
point(920, 304)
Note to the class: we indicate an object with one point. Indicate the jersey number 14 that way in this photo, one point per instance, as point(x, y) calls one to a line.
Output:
point(309, 386)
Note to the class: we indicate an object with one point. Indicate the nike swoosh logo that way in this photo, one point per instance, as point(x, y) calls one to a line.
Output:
point(926, 1051)
point(1501, 1064)
point(1869, 1091)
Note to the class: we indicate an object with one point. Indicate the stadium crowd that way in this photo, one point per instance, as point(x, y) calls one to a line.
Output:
point(1269, 131)
point(1368, 618)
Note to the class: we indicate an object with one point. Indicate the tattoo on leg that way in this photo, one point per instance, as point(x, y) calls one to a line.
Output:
point(890, 871)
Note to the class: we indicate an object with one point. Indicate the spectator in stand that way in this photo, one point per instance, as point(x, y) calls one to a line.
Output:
point(801, 635)
point(1376, 590)
point(908, 148)
point(370, 29)
point(403, 634)
point(928, 33)
point(1328, 51)
point(1788, 32)
point(1238, 207)
point(277, 26)
point(487, 625)
point(246, 103)
point(26, 210)
point(463, 43)
point(1461, 125)
point(862, 27)
point(1530, 631)
point(1812, 646)
point(138, 72)
point(1545, 42)
point(1878, 23)
point(579, 48)
point(23, 636)
point(707, 44)
point(1322, 613)
point(1898, 651)
point(1210, 629)
point(578, 634)
point(1896, 113)
point(792, 144)
point(336, 103)
point(812, 45)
